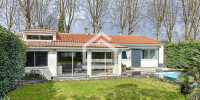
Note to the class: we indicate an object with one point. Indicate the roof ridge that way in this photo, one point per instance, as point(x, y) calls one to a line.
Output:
point(97, 34)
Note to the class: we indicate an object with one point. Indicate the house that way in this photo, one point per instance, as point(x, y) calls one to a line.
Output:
point(71, 54)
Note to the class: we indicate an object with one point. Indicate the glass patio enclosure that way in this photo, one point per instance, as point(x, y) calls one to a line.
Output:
point(72, 64)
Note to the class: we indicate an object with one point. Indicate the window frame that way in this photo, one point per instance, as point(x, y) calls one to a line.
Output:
point(148, 56)
point(34, 57)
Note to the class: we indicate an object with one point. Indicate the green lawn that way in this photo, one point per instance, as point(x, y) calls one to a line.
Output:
point(109, 89)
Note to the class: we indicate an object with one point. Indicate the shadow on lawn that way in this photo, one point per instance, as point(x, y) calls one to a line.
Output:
point(128, 91)
point(131, 91)
point(44, 91)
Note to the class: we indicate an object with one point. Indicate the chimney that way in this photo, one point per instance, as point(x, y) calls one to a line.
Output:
point(120, 33)
point(86, 31)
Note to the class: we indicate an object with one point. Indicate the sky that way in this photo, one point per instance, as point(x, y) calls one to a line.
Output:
point(145, 27)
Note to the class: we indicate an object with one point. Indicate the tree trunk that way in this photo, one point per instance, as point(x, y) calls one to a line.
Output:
point(195, 33)
point(28, 24)
point(9, 27)
point(170, 36)
point(158, 31)
point(95, 28)
point(186, 33)
point(40, 26)
point(67, 29)
point(130, 28)
point(121, 30)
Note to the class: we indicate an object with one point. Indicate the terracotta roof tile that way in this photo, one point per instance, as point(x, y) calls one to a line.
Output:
point(124, 39)
point(68, 44)
point(40, 30)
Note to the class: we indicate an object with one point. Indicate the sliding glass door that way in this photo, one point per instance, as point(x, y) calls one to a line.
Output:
point(65, 61)
point(71, 64)
point(79, 67)
point(104, 63)
point(98, 63)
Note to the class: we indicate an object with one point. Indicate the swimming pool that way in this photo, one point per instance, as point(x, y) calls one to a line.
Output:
point(169, 74)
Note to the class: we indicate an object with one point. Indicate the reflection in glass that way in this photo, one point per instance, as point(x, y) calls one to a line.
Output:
point(71, 64)
point(103, 63)
point(29, 59)
point(79, 67)
point(65, 62)
point(41, 58)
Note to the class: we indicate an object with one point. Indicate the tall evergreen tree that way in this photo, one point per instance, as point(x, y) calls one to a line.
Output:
point(61, 20)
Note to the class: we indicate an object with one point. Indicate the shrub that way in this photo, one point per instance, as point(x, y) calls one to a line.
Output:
point(177, 53)
point(12, 60)
point(33, 75)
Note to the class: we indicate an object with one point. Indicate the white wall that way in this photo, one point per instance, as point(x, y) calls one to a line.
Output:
point(44, 70)
point(149, 63)
point(89, 63)
point(126, 62)
point(161, 55)
point(119, 62)
point(52, 62)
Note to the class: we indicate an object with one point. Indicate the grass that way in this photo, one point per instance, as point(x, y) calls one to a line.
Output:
point(109, 89)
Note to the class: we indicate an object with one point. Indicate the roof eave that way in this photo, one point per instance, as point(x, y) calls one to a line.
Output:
point(140, 45)
point(71, 48)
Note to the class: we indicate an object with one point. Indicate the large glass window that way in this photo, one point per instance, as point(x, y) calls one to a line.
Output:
point(41, 58)
point(149, 54)
point(33, 37)
point(43, 37)
point(80, 67)
point(104, 63)
point(98, 63)
point(30, 59)
point(39, 37)
point(71, 64)
point(36, 59)
point(65, 61)
point(98, 55)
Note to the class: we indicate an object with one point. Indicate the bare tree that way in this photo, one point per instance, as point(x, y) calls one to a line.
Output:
point(10, 9)
point(187, 7)
point(159, 11)
point(96, 9)
point(170, 18)
point(132, 15)
point(68, 8)
point(26, 7)
point(119, 17)
point(1, 3)
point(195, 17)
point(41, 7)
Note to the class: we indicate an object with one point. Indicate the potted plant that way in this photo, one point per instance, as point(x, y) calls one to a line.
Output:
point(123, 67)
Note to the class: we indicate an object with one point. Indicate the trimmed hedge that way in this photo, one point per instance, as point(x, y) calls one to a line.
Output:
point(12, 60)
point(178, 53)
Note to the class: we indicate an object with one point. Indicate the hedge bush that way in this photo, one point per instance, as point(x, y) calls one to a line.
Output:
point(178, 53)
point(33, 75)
point(12, 60)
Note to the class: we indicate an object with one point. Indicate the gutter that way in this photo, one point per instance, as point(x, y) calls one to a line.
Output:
point(72, 48)
point(141, 45)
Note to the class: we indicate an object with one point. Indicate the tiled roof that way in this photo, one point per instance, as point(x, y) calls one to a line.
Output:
point(124, 39)
point(40, 30)
point(69, 44)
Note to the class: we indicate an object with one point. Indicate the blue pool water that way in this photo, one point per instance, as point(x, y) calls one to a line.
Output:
point(170, 74)
point(174, 75)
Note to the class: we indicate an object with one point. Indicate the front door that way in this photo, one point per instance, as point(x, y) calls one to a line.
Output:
point(136, 57)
